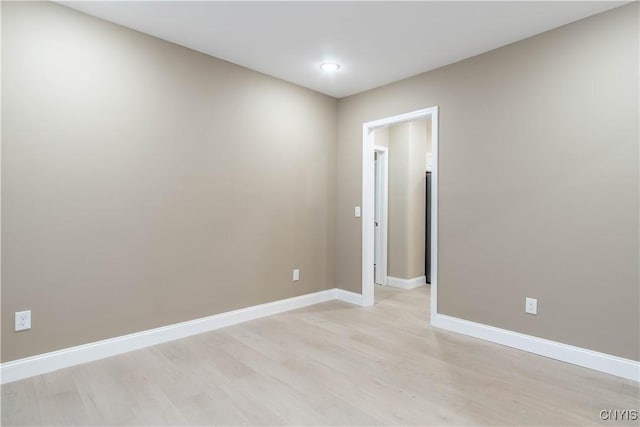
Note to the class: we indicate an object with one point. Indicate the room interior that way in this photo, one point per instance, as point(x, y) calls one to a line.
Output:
point(188, 214)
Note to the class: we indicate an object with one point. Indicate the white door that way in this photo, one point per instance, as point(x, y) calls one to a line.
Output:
point(377, 218)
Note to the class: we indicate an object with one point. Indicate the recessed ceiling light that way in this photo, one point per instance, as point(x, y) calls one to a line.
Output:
point(329, 66)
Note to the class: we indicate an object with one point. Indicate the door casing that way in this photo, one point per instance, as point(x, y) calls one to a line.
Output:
point(368, 201)
point(381, 213)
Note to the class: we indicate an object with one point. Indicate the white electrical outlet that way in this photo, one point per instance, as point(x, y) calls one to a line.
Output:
point(531, 306)
point(23, 320)
point(296, 275)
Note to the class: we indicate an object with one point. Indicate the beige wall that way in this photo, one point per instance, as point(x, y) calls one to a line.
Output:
point(407, 149)
point(145, 184)
point(416, 199)
point(538, 194)
point(398, 220)
point(381, 136)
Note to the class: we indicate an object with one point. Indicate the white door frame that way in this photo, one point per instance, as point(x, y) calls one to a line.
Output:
point(383, 204)
point(368, 205)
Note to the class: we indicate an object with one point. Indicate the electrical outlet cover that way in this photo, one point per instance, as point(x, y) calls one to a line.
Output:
point(23, 320)
point(531, 306)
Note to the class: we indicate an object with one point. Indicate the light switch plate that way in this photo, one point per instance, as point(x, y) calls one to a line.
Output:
point(357, 212)
point(296, 275)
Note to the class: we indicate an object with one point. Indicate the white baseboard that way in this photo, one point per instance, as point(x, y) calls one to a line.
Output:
point(47, 362)
point(397, 282)
point(348, 296)
point(602, 362)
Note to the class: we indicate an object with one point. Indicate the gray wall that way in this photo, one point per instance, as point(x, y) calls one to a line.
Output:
point(398, 219)
point(406, 238)
point(538, 191)
point(145, 184)
point(416, 198)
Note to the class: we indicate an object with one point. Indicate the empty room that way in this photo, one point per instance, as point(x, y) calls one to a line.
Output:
point(320, 213)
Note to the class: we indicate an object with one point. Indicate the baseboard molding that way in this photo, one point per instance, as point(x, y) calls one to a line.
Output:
point(348, 296)
point(397, 282)
point(47, 362)
point(602, 362)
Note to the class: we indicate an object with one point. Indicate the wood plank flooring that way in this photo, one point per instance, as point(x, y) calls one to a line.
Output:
point(328, 364)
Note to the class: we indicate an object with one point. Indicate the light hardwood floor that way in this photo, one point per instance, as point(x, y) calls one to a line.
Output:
point(329, 364)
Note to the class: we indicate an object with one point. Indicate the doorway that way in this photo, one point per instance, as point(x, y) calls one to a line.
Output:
point(381, 184)
point(372, 212)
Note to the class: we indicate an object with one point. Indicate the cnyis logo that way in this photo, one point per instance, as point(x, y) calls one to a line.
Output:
point(619, 415)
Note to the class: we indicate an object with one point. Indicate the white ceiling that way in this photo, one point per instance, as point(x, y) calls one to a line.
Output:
point(375, 42)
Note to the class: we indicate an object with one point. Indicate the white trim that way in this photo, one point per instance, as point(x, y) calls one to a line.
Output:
point(47, 362)
point(397, 282)
point(602, 362)
point(368, 285)
point(368, 205)
point(383, 204)
point(348, 296)
point(435, 172)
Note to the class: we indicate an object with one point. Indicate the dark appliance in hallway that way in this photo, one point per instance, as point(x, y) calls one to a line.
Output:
point(427, 231)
